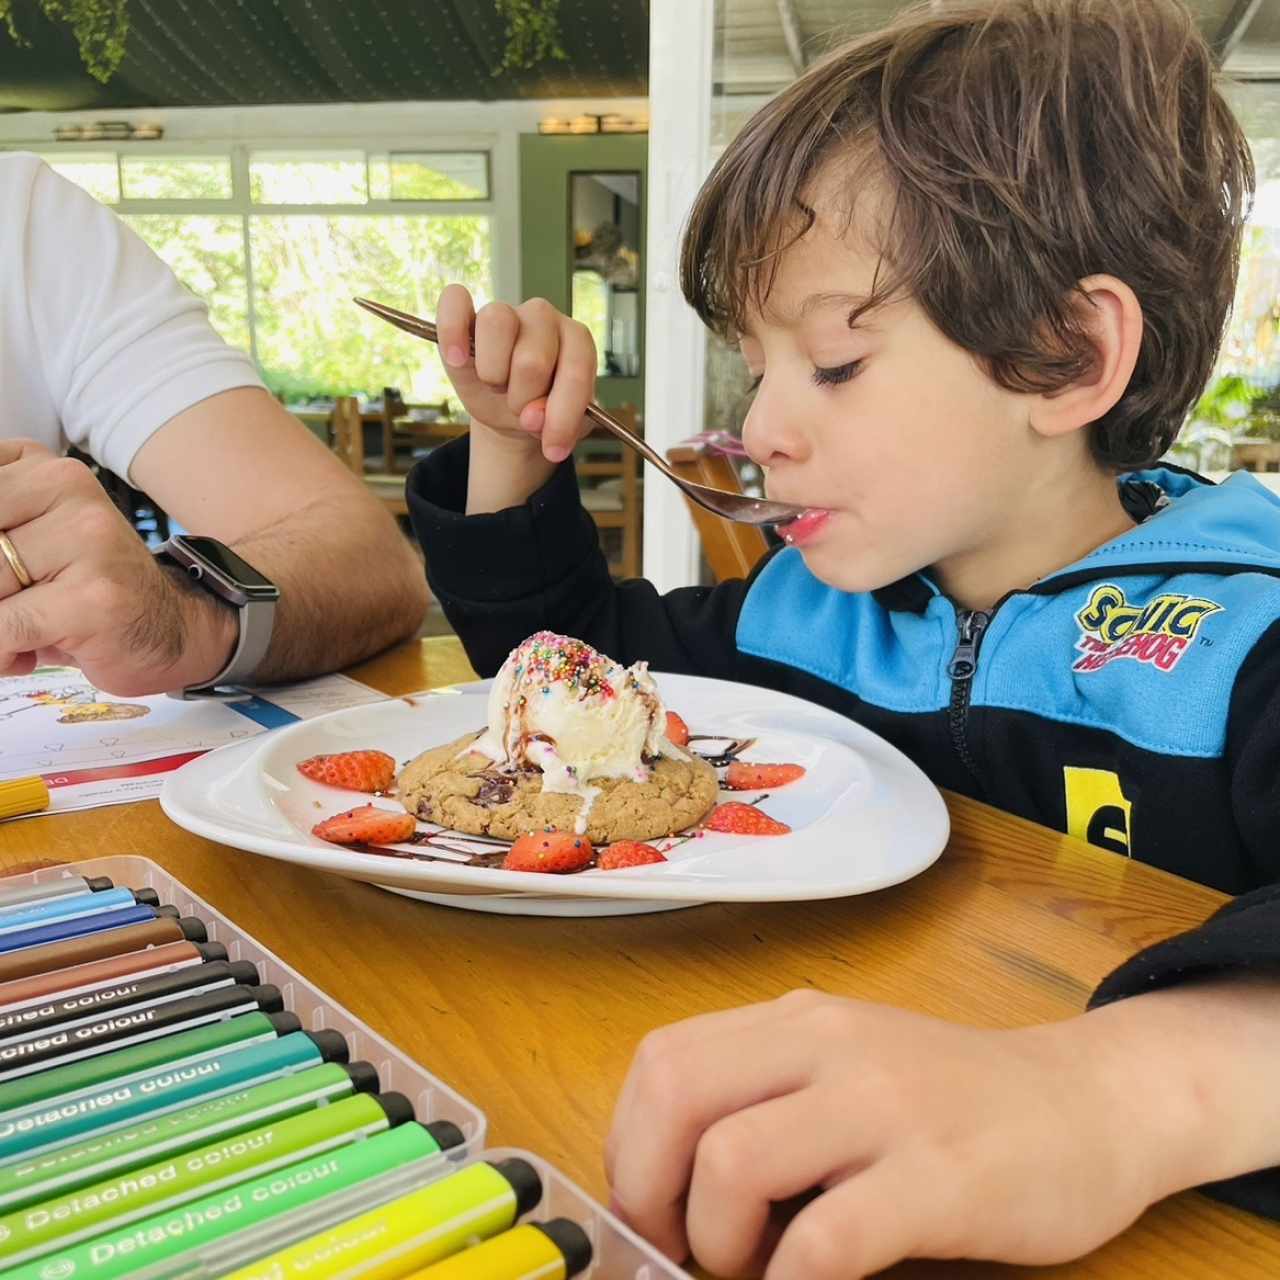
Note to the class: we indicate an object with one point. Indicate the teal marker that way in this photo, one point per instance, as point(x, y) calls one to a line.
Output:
point(104, 1106)
point(194, 1239)
point(66, 1220)
point(54, 1173)
point(199, 1042)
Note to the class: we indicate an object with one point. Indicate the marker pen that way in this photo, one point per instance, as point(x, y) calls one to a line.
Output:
point(77, 904)
point(97, 946)
point(167, 958)
point(551, 1250)
point(420, 1228)
point(63, 930)
point(54, 1224)
point(196, 1239)
point(106, 1106)
point(19, 895)
point(45, 1174)
point(132, 1025)
point(202, 1042)
point(25, 1021)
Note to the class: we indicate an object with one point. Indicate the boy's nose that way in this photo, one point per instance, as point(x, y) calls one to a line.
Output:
point(768, 434)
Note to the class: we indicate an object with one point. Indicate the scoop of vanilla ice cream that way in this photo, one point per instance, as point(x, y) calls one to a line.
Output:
point(577, 715)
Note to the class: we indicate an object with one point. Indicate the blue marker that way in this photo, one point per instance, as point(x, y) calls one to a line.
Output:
point(53, 1122)
point(62, 930)
point(80, 904)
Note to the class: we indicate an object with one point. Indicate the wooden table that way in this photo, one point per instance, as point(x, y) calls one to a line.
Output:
point(535, 1019)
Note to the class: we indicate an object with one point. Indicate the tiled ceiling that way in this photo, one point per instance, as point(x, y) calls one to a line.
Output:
point(762, 44)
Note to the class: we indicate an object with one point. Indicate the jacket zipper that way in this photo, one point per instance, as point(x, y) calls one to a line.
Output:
point(971, 625)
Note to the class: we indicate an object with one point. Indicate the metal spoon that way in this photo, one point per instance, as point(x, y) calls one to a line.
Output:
point(733, 506)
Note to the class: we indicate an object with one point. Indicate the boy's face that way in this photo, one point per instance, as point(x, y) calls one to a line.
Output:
point(919, 457)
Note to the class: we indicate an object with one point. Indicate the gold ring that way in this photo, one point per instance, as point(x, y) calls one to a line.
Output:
point(10, 553)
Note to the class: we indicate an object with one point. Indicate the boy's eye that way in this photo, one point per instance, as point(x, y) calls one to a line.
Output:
point(833, 377)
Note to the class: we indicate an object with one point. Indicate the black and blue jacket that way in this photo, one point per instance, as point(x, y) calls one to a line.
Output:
point(1131, 699)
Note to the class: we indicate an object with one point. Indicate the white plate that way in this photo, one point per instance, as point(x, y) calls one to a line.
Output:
point(863, 817)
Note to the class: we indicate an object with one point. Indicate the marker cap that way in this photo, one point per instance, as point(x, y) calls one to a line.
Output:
point(446, 1133)
point(96, 884)
point(398, 1108)
point(333, 1048)
point(169, 910)
point(571, 1240)
point(243, 974)
point(192, 929)
point(270, 999)
point(211, 950)
point(286, 1023)
point(364, 1078)
point(524, 1182)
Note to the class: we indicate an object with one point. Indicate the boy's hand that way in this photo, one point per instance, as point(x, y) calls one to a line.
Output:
point(911, 1137)
point(532, 375)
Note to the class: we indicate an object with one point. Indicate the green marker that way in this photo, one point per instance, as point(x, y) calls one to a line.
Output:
point(232, 1216)
point(53, 1224)
point(120, 1064)
point(54, 1173)
point(71, 1117)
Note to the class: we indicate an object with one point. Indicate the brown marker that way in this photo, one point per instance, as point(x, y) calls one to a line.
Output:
point(98, 973)
point(97, 946)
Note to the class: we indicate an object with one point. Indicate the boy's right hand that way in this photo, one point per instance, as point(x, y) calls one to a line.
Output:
point(531, 378)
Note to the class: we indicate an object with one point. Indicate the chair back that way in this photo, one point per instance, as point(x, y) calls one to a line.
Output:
point(600, 460)
point(731, 549)
point(346, 433)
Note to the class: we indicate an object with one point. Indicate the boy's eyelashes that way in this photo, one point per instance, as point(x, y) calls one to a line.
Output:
point(833, 377)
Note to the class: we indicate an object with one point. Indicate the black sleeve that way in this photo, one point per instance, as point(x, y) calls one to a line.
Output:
point(1242, 937)
point(1253, 755)
point(503, 576)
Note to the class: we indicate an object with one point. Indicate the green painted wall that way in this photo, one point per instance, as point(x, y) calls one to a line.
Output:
point(545, 165)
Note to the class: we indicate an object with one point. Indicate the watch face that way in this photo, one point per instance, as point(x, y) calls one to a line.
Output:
point(223, 561)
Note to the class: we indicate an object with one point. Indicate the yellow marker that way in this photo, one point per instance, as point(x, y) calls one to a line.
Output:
point(409, 1233)
point(23, 795)
point(537, 1251)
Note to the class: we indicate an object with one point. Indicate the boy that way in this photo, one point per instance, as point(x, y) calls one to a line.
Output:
point(980, 263)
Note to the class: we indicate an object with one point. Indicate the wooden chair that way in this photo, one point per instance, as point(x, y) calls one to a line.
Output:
point(1256, 455)
point(346, 439)
point(400, 426)
point(609, 481)
point(731, 549)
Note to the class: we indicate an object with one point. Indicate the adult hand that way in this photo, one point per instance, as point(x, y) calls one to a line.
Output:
point(911, 1137)
point(98, 599)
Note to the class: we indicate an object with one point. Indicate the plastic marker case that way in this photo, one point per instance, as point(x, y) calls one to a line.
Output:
point(618, 1253)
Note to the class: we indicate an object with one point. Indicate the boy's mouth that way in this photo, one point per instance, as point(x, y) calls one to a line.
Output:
point(804, 527)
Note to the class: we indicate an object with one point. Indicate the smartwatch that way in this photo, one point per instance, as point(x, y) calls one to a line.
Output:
point(219, 570)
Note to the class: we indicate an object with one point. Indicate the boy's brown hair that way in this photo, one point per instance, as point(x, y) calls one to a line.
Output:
point(1023, 145)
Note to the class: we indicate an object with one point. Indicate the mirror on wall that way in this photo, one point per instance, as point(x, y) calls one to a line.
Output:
point(604, 223)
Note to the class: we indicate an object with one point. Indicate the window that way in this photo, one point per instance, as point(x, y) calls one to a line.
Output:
point(278, 242)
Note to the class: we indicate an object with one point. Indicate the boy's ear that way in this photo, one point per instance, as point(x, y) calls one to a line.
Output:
point(1109, 311)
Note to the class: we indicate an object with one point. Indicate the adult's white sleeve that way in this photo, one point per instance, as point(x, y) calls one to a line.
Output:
point(123, 345)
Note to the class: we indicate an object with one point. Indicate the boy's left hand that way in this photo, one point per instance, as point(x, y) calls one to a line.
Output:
point(920, 1138)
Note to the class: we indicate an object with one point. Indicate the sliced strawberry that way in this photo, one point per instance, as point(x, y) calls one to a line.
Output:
point(366, 825)
point(627, 853)
point(355, 770)
point(677, 730)
point(741, 819)
point(745, 776)
point(554, 851)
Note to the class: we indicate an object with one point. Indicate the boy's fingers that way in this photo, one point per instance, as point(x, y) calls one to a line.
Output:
point(754, 1159)
point(455, 316)
point(677, 1096)
point(863, 1225)
point(533, 365)
point(497, 327)
point(571, 392)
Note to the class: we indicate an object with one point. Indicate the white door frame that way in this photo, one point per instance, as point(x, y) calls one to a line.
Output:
point(680, 86)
